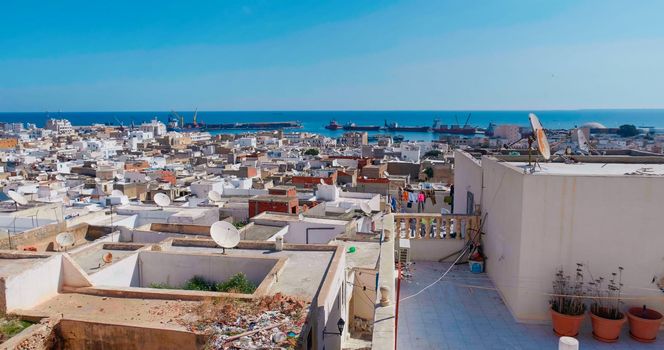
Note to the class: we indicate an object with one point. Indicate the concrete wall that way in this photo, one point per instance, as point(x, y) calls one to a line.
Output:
point(123, 273)
point(297, 232)
point(33, 236)
point(82, 335)
point(467, 178)
point(539, 223)
point(434, 249)
point(34, 285)
point(502, 202)
point(601, 221)
point(183, 267)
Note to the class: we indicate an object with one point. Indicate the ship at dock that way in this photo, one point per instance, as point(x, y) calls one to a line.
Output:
point(333, 125)
point(454, 129)
point(350, 126)
point(405, 128)
point(255, 126)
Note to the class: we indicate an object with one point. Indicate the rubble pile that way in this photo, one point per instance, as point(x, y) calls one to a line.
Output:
point(273, 322)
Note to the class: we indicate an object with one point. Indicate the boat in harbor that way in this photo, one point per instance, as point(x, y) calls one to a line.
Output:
point(354, 127)
point(396, 127)
point(454, 129)
point(253, 126)
point(333, 125)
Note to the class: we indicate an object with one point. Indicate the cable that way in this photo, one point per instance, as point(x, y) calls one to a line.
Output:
point(463, 252)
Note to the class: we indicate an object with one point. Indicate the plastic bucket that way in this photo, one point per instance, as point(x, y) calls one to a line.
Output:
point(476, 266)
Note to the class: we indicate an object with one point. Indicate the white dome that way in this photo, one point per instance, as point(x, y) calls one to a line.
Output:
point(593, 125)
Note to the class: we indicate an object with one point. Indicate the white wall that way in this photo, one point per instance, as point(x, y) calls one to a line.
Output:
point(467, 178)
point(502, 203)
point(35, 285)
point(297, 231)
point(123, 273)
point(182, 267)
point(538, 223)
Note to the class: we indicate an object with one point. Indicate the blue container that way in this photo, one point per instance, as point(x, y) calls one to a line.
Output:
point(476, 266)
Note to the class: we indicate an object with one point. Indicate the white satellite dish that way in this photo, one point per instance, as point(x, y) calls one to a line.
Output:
point(540, 136)
point(124, 200)
point(117, 193)
point(322, 182)
point(17, 197)
point(119, 177)
point(65, 239)
point(583, 141)
point(365, 208)
point(162, 200)
point(225, 235)
point(214, 196)
point(97, 180)
point(59, 177)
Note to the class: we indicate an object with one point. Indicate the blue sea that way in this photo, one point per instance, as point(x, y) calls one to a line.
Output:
point(314, 121)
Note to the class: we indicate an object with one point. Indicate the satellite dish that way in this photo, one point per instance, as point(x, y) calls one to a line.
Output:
point(162, 200)
point(583, 141)
point(17, 197)
point(214, 196)
point(365, 208)
point(322, 182)
point(124, 200)
point(97, 180)
point(108, 258)
point(65, 239)
point(117, 193)
point(59, 177)
point(538, 131)
point(225, 235)
point(119, 177)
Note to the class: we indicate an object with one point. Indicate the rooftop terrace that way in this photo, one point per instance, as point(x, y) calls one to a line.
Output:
point(465, 311)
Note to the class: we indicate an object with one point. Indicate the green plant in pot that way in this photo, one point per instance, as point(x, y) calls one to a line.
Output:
point(607, 319)
point(567, 307)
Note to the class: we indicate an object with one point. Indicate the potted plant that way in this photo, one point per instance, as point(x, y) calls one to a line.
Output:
point(567, 307)
point(644, 324)
point(607, 320)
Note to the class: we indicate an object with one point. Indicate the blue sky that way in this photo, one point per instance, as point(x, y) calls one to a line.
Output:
point(330, 55)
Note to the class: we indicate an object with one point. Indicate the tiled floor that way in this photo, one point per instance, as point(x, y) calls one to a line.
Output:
point(451, 316)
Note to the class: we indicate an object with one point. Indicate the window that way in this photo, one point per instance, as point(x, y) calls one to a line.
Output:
point(470, 203)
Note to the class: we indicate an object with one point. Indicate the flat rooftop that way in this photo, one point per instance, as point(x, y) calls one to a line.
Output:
point(257, 232)
point(594, 169)
point(465, 311)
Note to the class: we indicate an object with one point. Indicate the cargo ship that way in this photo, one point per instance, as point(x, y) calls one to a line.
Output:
point(454, 129)
point(333, 125)
point(247, 126)
point(397, 127)
point(354, 127)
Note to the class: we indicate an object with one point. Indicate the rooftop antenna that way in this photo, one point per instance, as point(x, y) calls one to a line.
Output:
point(214, 196)
point(540, 137)
point(162, 200)
point(225, 235)
point(65, 239)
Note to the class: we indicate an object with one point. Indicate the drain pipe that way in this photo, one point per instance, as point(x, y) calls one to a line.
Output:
point(315, 228)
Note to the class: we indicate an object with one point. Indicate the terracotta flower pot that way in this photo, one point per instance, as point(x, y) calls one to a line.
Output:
point(566, 325)
point(644, 324)
point(606, 329)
